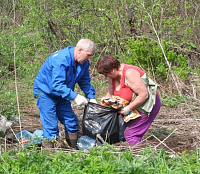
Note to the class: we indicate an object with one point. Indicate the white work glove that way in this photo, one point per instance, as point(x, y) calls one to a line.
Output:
point(126, 110)
point(93, 100)
point(80, 100)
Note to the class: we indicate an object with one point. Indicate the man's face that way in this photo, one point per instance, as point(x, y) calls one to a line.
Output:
point(84, 55)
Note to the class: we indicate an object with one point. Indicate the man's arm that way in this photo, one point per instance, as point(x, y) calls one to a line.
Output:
point(86, 86)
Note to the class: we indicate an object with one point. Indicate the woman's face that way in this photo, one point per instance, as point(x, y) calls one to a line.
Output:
point(112, 74)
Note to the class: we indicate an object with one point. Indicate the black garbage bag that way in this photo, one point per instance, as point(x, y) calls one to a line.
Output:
point(103, 120)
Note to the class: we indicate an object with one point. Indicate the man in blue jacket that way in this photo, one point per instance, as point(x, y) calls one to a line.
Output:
point(54, 90)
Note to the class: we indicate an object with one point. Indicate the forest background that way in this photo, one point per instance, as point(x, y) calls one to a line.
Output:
point(160, 36)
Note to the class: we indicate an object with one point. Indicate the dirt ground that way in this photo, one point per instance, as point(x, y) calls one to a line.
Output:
point(176, 129)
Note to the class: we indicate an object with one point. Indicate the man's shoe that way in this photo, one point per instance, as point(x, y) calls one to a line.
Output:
point(71, 139)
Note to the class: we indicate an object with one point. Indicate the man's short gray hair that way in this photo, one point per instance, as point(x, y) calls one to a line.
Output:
point(86, 44)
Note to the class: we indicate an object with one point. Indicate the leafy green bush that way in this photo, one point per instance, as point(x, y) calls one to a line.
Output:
point(101, 159)
point(173, 101)
point(42, 28)
point(148, 55)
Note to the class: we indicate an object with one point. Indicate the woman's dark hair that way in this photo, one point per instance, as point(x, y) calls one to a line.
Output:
point(106, 64)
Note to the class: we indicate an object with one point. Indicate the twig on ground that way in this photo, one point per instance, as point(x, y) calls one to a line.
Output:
point(100, 138)
point(161, 142)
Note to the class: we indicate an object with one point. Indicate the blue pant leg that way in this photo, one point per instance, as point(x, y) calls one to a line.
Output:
point(48, 117)
point(67, 116)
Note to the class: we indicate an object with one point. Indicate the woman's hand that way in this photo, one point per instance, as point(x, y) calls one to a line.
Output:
point(125, 111)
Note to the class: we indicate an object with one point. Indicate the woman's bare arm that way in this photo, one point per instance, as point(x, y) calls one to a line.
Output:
point(134, 81)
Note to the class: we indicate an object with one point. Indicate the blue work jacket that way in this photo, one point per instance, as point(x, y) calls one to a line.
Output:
point(59, 74)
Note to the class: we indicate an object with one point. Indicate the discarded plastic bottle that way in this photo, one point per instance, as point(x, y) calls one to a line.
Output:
point(85, 142)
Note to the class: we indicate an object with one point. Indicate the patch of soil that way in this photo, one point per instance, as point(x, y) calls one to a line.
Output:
point(175, 129)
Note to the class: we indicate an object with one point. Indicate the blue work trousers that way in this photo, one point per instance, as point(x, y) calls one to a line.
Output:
point(52, 110)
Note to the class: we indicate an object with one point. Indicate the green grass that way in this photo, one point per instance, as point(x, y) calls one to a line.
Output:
point(173, 101)
point(101, 159)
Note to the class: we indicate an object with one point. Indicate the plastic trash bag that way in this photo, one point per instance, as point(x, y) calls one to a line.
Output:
point(29, 138)
point(103, 120)
point(3, 128)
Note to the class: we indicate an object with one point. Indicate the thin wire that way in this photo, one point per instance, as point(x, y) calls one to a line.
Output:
point(16, 89)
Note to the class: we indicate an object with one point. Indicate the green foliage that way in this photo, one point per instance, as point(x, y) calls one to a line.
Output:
point(101, 159)
point(121, 28)
point(173, 101)
point(148, 55)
